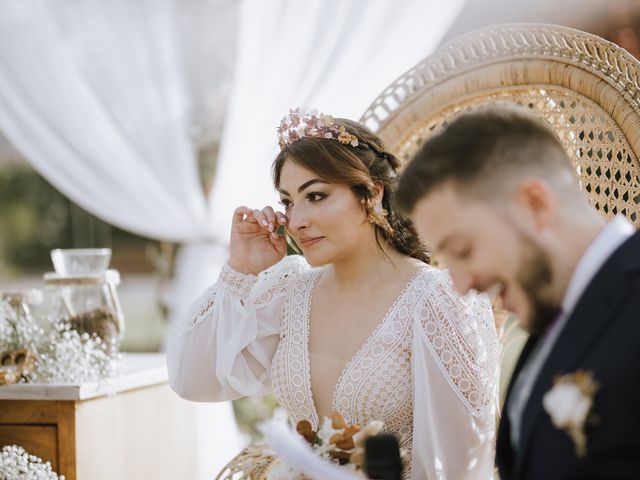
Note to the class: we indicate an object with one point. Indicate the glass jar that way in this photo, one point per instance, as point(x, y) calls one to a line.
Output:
point(88, 302)
point(19, 334)
point(16, 320)
point(21, 300)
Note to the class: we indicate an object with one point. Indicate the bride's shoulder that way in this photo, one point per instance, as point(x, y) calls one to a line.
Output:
point(432, 278)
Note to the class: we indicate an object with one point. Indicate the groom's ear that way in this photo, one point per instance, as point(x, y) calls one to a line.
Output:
point(535, 200)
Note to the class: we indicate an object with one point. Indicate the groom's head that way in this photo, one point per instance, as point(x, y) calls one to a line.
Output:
point(488, 195)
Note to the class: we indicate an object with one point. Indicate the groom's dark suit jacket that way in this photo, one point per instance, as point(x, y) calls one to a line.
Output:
point(601, 336)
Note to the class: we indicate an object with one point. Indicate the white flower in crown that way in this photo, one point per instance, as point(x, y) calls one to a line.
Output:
point(300, 123)
point(569, 404)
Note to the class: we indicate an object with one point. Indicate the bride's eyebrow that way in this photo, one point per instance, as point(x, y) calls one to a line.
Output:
point(304, 185)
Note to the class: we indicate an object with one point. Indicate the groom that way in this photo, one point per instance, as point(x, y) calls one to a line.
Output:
point(495, 196)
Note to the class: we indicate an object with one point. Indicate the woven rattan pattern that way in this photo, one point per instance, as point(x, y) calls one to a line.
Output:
point(585, 88)
point(603, 160)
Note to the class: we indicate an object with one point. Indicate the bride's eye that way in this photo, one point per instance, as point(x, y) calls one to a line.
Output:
point(285, 203)
point(315, 196)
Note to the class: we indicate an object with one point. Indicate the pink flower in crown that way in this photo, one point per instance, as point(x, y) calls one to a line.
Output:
point(294, 116)
point(300, 123)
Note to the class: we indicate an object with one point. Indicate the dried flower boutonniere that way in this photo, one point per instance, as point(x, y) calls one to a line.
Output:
point(569, 404)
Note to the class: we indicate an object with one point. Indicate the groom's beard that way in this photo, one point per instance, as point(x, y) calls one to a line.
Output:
point(535, 278)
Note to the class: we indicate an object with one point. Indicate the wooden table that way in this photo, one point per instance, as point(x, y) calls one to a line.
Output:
point(134, 427)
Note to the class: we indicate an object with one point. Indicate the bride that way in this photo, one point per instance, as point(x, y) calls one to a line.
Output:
point(359, 323)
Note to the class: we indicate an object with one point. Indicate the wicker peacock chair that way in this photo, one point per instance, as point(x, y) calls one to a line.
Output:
point(585, 88)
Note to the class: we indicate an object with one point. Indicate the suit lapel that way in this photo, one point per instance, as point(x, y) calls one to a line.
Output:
point(595, 312)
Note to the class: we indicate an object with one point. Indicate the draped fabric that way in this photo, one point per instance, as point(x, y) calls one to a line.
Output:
point(94, 95)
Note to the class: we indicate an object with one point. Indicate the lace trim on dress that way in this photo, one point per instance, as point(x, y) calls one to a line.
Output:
point(269, 284)
point(233, 282)
point(275, 281)
point(376, 383)
point(236, 283)
point(395, 325)
point(463, 341)
point(291, 378)
point(202, 305)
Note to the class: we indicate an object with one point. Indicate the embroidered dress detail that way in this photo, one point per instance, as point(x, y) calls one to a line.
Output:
point(376, 384)
point(290, 370)
point(461, 346)
point(236, 283)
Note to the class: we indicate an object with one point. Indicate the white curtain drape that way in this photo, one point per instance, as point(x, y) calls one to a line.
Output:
point(94, 98)
point(335, 55)
point(93, 95)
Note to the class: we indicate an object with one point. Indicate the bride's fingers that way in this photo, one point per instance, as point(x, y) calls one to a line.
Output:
point(282, 218)
point(266, 218)
point(261, 218)
point(240, 213)
point(270, 216)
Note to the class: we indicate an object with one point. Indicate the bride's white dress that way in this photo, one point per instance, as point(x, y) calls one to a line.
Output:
point(428, 371)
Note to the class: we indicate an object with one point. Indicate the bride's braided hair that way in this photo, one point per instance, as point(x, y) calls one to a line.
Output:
point(360, 167)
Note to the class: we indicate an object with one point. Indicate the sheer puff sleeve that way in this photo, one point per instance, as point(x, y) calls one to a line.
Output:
point(222, 349)
point(455, 369)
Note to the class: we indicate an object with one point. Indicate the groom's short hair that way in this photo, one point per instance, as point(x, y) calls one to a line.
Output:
point(480, 153)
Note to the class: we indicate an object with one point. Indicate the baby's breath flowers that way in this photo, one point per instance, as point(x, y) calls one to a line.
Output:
point(67, 356)
point(17, 464)
point(62, 354)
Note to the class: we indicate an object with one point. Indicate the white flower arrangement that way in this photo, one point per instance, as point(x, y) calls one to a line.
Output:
point(17, 464)
point(67, 356)
point(569, 404)
point(62, 355)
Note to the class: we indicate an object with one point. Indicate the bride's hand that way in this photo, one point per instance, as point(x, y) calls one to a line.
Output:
point(255, 245)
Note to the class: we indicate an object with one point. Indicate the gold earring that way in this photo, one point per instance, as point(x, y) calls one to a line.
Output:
point(378, 215)
point(382, 212)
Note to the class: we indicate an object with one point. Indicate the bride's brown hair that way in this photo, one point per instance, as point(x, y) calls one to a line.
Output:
point(360, 168)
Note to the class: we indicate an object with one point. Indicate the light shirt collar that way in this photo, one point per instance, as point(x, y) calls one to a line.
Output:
point(608, 240)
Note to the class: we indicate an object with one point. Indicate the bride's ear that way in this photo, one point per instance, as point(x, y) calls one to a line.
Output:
point(378, 193)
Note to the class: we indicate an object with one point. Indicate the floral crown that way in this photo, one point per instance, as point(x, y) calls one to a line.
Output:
point(300, 123)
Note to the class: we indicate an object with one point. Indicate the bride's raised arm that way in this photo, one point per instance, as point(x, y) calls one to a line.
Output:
point(455, 369)
point(223, 348)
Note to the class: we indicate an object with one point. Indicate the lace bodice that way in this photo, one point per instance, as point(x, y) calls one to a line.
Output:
point(375, 384)
point(428, 371)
